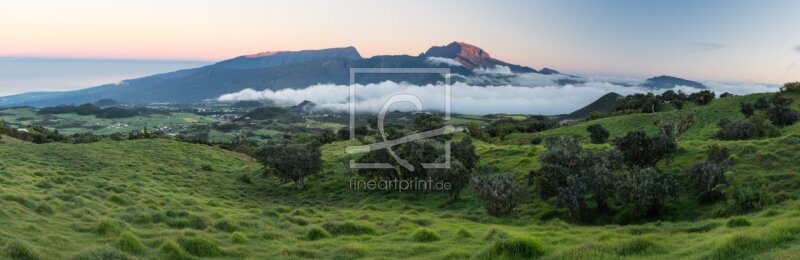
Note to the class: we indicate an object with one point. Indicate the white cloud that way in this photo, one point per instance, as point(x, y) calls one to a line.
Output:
point(440, 60)
point(497, 70)
point(470, 99)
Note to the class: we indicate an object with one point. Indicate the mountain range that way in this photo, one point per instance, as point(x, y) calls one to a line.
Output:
point(300, 69)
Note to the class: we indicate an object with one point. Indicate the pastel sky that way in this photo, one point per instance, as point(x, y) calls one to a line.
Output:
point(754, 41)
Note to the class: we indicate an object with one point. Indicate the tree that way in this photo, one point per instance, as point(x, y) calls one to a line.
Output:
point(639, 149)
point(645, 191)
point(475, 130)
point(761, 103)
point(417, 153)
point(791, 87)
point(498, 192)
point(427, 122)
point(726, 94)
point(708, 179)
point(702, 98)
point(457, 176)
point(378, 156)
point(780, 112)
point(464, 152)
point(747, 109)
point(570, 174)
point(292, 161)
point(598, 133)
point(763, 126)
point(674, 128)
point(343, 133)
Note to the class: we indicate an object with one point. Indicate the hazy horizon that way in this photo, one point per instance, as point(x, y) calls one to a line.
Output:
point(34, 74)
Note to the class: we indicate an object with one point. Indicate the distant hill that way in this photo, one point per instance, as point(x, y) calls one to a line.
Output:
point(282, 58)
point(602, 104)
point(664, 82)
point(106, 102)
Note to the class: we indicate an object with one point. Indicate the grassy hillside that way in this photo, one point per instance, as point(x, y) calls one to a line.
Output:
point(704, 128)
point(165, 199)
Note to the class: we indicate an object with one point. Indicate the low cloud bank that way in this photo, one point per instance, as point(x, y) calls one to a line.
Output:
point(469, 99)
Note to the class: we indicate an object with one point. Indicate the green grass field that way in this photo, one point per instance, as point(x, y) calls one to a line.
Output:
point(163, 199)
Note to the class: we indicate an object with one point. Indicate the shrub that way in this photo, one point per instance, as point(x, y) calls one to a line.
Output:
point(514, 248)
point(717, 154)
point(498, 192)
point(200, 246)
point(747, 109)
point(702, 98)
point(707, 179)
point(475, 131)
point(425, 235)
point(744, 199)
point(347, 228)
point(738, 222)
point(763, 126)
point(597, 133)
point(537, 140)
point(780, 112)
point(128, 242)
point(646, 191)
point(316, 233)
point(19, 250)
point(171, 250)
point(639, 149)
point(737, 131)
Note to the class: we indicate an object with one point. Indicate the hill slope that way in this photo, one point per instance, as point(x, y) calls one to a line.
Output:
point(176, 200)
point(602, 104)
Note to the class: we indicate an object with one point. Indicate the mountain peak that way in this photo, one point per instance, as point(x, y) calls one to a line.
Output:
point(470, 56)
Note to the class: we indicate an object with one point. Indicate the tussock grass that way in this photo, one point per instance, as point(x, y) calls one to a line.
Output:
point(514, 248)
point(200, 246)
point(130, 243)
point(19, 250)
point(738, 222)
point(425, 235)
point(171, 250)
point(238, 238)
point(317, 233)
point(348, 228)
point(464, 233)
point(352, 251)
